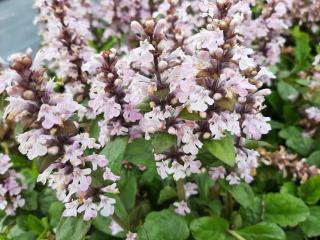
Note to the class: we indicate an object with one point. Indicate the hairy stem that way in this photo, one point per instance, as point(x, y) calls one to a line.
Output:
point(180, 190)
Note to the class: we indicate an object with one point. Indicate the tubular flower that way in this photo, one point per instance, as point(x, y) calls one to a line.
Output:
point(50, 133)
point(11, 187)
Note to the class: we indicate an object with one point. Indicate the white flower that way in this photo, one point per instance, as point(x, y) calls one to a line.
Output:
point(71, 209)
point(33, 143)
point(182, 208)
point(190, 189)
point(255, 125)
point(106, 206)
point(89, 208)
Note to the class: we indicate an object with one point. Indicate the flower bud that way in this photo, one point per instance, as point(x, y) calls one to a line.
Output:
point(54, 150)
point(163, 65)
point(28, 95)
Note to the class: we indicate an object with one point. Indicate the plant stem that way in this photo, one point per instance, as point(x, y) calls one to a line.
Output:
point(119, 221)
point(229, 205)
point(235, 234)
point(180, 190)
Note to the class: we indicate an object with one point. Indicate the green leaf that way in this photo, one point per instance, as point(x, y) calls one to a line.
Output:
point(167, 193)
point(311, 227)
point(284, 209)
point(204, 182)
point(74, 228)
point(55, 212)
point(164, 225)
point(20, 161)
point(315, 99)
point(48, 197)
point(139, 152)
point(303, 82)
point(114, 152)
point(289, 188)
point(252, 214)
point(262, 231)
point(314, 159)
point(223, 149)
point(254, 144)
point(290, 132)
point(94, 129)
point(286, 91)
point(186, 115)
point(35, 224)
point(309, 191)
point(275, 101)
point(31, 198)
point(302, 49)
point(303, 145)
point(162, 142)
point(209, 228)
point(242, 193)
point(128, 187)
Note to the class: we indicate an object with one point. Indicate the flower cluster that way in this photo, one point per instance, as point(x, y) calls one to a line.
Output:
point(195, 88)
point(52, 134)
point(65, 28)
point(289, 164)
point(266, 31)
point(198, 89)
point(115, 16)
point(11, 186)
point(306, 12)
point(311, 110)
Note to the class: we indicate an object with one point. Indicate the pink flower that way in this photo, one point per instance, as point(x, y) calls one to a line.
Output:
point(33, 143)
point(217, 173)
point(89, 208)
point(106, 206)
point(108, 175)
point(71, 209)
point(190, 189)
point(255, 125)
point(5, 163)
point(131, 236)
point(224, 122)
point(97, 161)
point(131, 114)
point(233, 179)
point(182, 208)
point(115, 228)
point(313, 113)
point(51, 116)
point(81, 179)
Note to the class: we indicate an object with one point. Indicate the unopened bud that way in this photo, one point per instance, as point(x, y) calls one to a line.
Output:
point(163, 65)
point(27, 61)
point(207, 135)
point(226, 46)
point(203, 114)
point(54, 150)
point(210, 27)
point(28, 95)
point(142, 167)
point(118, 81)
point(53, 131)
point(223, 24)
point(110, 75)
point(217, 96)
point(172, 131)
point(149, 26)
point(152, 104)
point(174, 101)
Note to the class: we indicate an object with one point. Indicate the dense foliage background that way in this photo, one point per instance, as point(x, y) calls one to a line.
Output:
point(98, 140)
